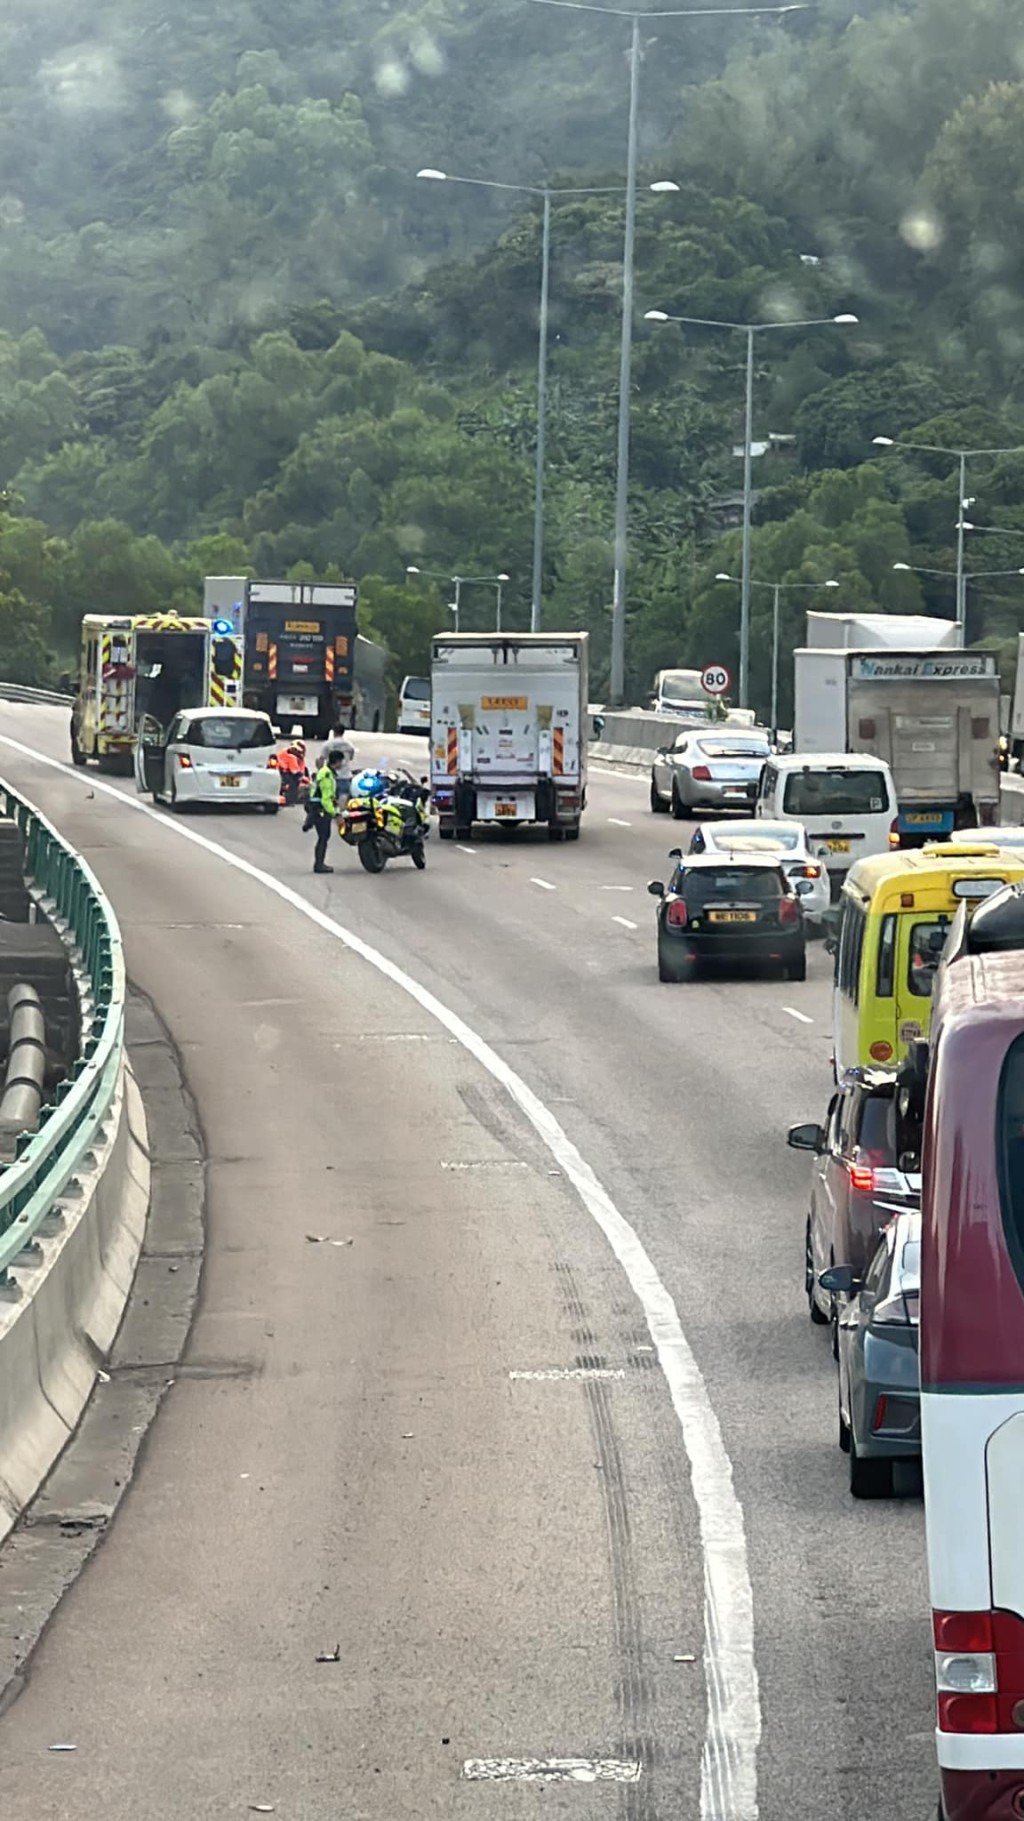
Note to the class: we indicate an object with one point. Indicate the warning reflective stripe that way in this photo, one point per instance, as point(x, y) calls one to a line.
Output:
point(558, 750)
point(453, 749)
point(329, 663)
point(272, 662)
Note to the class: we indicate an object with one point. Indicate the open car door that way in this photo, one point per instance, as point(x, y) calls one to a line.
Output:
point(150, 757)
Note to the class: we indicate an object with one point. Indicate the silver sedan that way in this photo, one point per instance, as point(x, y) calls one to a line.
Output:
point(708, 770)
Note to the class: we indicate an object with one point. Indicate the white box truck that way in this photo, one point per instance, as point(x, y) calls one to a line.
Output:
point(509, 729)
point(882, 632)
point(933, 716)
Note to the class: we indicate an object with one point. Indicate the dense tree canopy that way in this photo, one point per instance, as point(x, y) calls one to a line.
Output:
point(237, 334)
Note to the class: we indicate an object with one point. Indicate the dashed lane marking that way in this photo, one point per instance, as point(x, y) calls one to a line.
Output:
point(626, 924)
point(801, 1017)
point(728, 1774)
point(617, 822)
point(551, 1770)
point(551, 1373)
point(616, 888)
point(465, 850)
point(544, 884)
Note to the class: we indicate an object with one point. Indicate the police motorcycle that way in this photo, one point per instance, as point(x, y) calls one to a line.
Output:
point(385, 818)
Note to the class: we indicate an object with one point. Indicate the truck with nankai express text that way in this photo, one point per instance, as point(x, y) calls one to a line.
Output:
point(306, 663)
point(509, 731)
point(904, 690)
point(132, 665)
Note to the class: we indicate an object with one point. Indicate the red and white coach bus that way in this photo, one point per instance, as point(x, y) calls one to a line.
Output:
point(972, 1368)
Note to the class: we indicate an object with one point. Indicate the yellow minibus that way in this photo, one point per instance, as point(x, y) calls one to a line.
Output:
point(895, 911)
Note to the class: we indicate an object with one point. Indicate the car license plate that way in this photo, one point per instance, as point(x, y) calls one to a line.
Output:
point(506, 809)
point(732, 916)
point(230, 783)
point(838, 847)
point(925, 821)
point(357, 828)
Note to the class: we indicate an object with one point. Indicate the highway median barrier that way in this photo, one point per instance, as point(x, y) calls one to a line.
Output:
point(75, 1195)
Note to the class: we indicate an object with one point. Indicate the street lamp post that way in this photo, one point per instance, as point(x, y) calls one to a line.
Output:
point(776, 588)
point(545, 192)
point(749, 329)
point(617, 675)
point(457, 582)
point(963, 582)
point(963, 455)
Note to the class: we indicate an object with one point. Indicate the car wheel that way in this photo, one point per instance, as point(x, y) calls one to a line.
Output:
point(659, 806)
point(271, 809)
point(77, 755)
point(797, 968)
point(844, 1433)
point(818, 1317)
point(869, 1479)
point(679, 809)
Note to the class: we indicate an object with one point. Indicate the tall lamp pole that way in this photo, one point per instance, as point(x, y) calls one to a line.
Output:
point(617, 677)
point(963, 456)
point(457, 581)
point(749, 329)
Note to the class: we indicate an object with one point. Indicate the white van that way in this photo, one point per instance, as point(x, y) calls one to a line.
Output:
point(414, 705)
point(845, 800)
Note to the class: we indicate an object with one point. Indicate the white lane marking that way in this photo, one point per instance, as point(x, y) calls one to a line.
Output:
point(552, 1373)
point(465, 850)
point(728, 1775)
point(551, 1770)
point(544, 885)
point(801, 1017)
point(617, 822)
point(626, 924)
point(616, 888)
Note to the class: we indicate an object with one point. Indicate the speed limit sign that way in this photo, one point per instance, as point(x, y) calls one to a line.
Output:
point(715, 680)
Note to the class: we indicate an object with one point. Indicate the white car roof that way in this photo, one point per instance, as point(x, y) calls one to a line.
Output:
point(819, 761)
point(220, 714)
point(758, 831)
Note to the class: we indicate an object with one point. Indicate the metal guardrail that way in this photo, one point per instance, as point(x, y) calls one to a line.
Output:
point(48, 1158)
point(20, 692)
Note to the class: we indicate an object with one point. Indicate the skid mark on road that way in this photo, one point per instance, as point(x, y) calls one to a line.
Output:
point(729, 1759)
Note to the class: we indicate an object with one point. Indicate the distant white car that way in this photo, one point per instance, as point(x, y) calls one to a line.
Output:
point(414, 705)
point(708, 768)
point(226, 756)
point(785, 842)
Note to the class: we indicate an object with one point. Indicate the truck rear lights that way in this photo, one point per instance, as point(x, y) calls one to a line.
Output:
point(676, 914)
point(979, 1671)
point(968, 1713)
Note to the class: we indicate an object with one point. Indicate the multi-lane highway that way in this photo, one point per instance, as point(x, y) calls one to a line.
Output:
point(549, 1448)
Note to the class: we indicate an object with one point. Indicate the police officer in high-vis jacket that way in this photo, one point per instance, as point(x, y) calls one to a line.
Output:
point(324, 807)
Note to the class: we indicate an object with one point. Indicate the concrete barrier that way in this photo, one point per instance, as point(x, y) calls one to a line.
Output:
point(74, 1200)
point(60, 1317)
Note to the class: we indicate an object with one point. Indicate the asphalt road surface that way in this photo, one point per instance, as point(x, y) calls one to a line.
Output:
point(550, 1447)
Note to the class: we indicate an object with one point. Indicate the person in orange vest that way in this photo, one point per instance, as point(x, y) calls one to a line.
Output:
point(292, 766)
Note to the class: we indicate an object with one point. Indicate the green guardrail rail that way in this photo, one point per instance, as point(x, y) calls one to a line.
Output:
point(48, 1158)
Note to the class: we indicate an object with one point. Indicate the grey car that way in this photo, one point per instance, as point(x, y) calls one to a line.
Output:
point(879, 1375)
point(708, 769)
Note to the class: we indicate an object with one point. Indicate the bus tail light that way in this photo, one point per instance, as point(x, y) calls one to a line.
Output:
point(676, 914)
point(979, 1671)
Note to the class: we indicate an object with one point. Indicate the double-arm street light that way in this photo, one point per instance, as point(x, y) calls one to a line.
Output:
point(750, 330)
point(776, 588)
point(963, 582)
point(617, 675)
point(963, 456)
point(458, 581)
point(546, 193)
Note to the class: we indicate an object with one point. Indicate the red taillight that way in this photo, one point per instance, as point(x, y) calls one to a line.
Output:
point(968, 1713)
point(880, 1051)
point(894, 832)
point(979, 1671)
point(702, 774)
point(807, 872)
point(878, 1416)
point(862, 1178)
point(272, 764)
point(184, 761)
point(676, 914)
point(789, 911)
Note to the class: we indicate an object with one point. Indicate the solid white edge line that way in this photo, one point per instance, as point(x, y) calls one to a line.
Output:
point(801, 1017)
point(544, 884)
point(728, 1789)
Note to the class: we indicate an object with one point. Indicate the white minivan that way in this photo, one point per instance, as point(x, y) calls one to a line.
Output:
point(414, 705)
point(845, 800)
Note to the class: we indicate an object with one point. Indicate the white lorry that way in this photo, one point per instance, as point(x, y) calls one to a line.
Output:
point(509, 728)
point(884, 685)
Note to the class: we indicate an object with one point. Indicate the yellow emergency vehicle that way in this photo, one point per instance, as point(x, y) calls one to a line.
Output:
point(147, 664)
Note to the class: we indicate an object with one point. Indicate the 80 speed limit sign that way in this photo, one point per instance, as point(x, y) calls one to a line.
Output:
point(715, 679)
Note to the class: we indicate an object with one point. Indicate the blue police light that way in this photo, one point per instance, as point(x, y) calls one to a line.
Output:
point(223, 626)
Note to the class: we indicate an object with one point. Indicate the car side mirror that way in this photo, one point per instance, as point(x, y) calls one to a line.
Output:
point(840, 1280)
point(909, 1162)
point(656, 888)
point(804, 886)
point(806, 1138)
